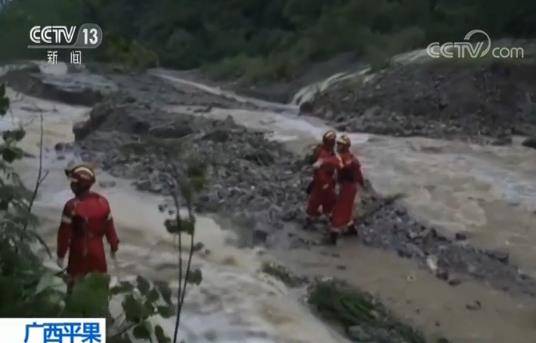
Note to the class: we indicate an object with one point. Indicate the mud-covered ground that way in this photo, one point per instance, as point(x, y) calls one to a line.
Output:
point(261, 185)
point(485, 101)
point(280, 91)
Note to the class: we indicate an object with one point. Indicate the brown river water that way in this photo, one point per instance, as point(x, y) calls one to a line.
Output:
point(234, 303)
point(487, 192)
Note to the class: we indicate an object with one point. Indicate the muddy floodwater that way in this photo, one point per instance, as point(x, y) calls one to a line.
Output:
point(234, 303)
point(485, 192)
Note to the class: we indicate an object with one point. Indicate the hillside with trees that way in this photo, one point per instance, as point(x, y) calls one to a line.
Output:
point(263, 40)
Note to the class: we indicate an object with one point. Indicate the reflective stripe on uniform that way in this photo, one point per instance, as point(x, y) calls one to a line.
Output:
point(66, 220)
point(109, 216)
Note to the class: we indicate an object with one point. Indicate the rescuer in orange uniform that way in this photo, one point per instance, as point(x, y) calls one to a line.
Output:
point(322, 195)
point(349, 178)
point(86, 218)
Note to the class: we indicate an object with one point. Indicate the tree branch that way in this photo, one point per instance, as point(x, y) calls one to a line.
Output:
point(39, 180)
point(40, 176)
point(175, 195)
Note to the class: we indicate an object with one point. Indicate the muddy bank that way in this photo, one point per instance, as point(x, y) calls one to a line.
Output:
point(480, 101)
point(470, 312)
point(257, 215)
point(234, 303)
point(364, 319)
point(149, 88)
point(261, 186)
point(249, 176)
point(79, 88)
point(282, 91)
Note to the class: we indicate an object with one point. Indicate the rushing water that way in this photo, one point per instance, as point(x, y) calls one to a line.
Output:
point(234, 303)
point(308, 92)
point(453, 185)
point(486, 191)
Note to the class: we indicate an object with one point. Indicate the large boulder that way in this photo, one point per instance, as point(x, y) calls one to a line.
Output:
point(81, 130)
point(96, 117)
point(306, 108)
point(530, 142)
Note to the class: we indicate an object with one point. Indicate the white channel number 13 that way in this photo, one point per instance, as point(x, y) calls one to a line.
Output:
point(91, 36)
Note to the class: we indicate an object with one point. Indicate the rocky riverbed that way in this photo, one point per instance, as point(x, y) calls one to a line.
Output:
point(483, 101)
point(258, 185)
point(261, 186)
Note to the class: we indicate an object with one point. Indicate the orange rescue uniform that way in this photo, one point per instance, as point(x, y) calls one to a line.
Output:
point(349, 176)
point(323, 197)
point(85, 220)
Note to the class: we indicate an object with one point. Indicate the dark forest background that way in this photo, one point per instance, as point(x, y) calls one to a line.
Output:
point(263, 39)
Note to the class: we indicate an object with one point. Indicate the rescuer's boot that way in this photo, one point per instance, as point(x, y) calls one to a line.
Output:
point(351, 230)
point(333, 236)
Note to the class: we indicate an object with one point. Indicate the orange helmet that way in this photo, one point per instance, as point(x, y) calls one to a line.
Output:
point(344, 140)
point(329, 136)
point(81, 174)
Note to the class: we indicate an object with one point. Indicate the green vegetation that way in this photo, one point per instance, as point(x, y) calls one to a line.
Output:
point(29, 288)
point(140, 302)
point(363, 317)
point(130, 54)
point(17, 17)
point(282, 273)
point(263, 40)
point(186, 177)
point(20, 269)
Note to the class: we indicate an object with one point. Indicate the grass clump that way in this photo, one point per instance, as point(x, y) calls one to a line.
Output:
point(283, 274)
point(362, 316)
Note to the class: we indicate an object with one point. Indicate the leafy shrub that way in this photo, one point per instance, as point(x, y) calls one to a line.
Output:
point(140, 303)
point(131, 54)
point(338, 302)
point(189, 34)
point(28, 288)
point(229, 68)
